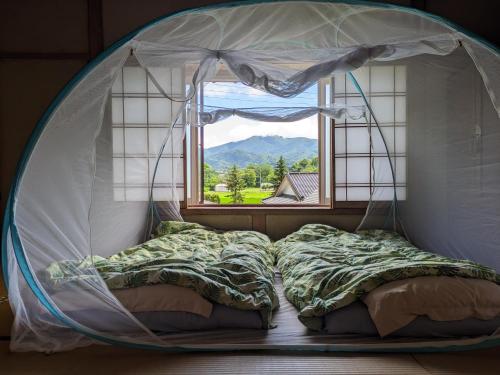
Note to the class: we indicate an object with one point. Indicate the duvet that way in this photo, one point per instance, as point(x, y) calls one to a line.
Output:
point(324, 268)
point(230, 268)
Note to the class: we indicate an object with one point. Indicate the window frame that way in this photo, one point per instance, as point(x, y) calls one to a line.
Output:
point(334, 206)
point(198, 208)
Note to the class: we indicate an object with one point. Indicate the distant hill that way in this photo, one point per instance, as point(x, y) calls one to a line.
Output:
point(259, 149)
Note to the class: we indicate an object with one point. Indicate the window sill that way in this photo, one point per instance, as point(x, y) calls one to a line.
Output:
point(281, 210)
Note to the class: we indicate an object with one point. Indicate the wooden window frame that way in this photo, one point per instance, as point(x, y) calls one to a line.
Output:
point(240, 209)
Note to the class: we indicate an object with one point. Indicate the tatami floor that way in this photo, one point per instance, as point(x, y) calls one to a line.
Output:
point(108, 360)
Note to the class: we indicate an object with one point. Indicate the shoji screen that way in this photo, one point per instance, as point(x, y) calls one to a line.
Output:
point(141, 119)
point(385, 89)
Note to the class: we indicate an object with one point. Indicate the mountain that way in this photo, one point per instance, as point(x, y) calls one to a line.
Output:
point(261, 149)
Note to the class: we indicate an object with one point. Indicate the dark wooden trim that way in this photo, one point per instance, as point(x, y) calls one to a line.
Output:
point(419, 4)
point(184, 203)
point(352, 204)
point(258, 210)
point(95, 27)
point(259, 223)
point(44, 55)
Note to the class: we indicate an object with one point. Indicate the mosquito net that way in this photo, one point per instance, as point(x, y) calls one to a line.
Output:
point(107, 160)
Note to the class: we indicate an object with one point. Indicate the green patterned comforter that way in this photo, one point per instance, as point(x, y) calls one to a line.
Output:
point(324, 268)
point(230, 268)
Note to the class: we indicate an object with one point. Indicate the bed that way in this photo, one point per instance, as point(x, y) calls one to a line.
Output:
point(356, 283)
point(188, 277)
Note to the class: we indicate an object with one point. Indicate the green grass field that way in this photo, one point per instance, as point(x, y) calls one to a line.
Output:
point(250, 196)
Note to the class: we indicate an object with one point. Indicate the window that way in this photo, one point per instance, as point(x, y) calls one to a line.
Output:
point(141, 117)
point(238, 160)
point(385, 88)
point(312, 149)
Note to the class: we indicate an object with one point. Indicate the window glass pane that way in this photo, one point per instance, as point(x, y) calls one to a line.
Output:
point(328, 90)
point(255, 147)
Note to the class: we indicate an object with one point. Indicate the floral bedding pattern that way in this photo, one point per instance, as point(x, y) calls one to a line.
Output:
point(324, 268)
point(232, 268)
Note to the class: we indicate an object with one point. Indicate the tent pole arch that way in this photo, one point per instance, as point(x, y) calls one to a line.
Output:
point(9, 224)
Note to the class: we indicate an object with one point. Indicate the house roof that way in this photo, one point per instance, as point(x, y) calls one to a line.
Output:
point(282, 199)
point(304, 184)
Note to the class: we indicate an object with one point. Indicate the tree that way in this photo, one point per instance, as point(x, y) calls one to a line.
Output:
point(300, 166)
point(305, 165)
point(265, 172)
point(249, 176)
point(235, 184)
point(280, 170)
point(315, 163)
point(210, 178)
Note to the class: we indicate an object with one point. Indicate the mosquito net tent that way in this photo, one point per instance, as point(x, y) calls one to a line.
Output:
point(79, 193)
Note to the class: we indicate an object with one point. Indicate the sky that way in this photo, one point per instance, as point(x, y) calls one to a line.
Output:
point(236, 95)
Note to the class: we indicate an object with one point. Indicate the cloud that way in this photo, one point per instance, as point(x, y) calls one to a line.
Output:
point(236, 129)
point(227, 89)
